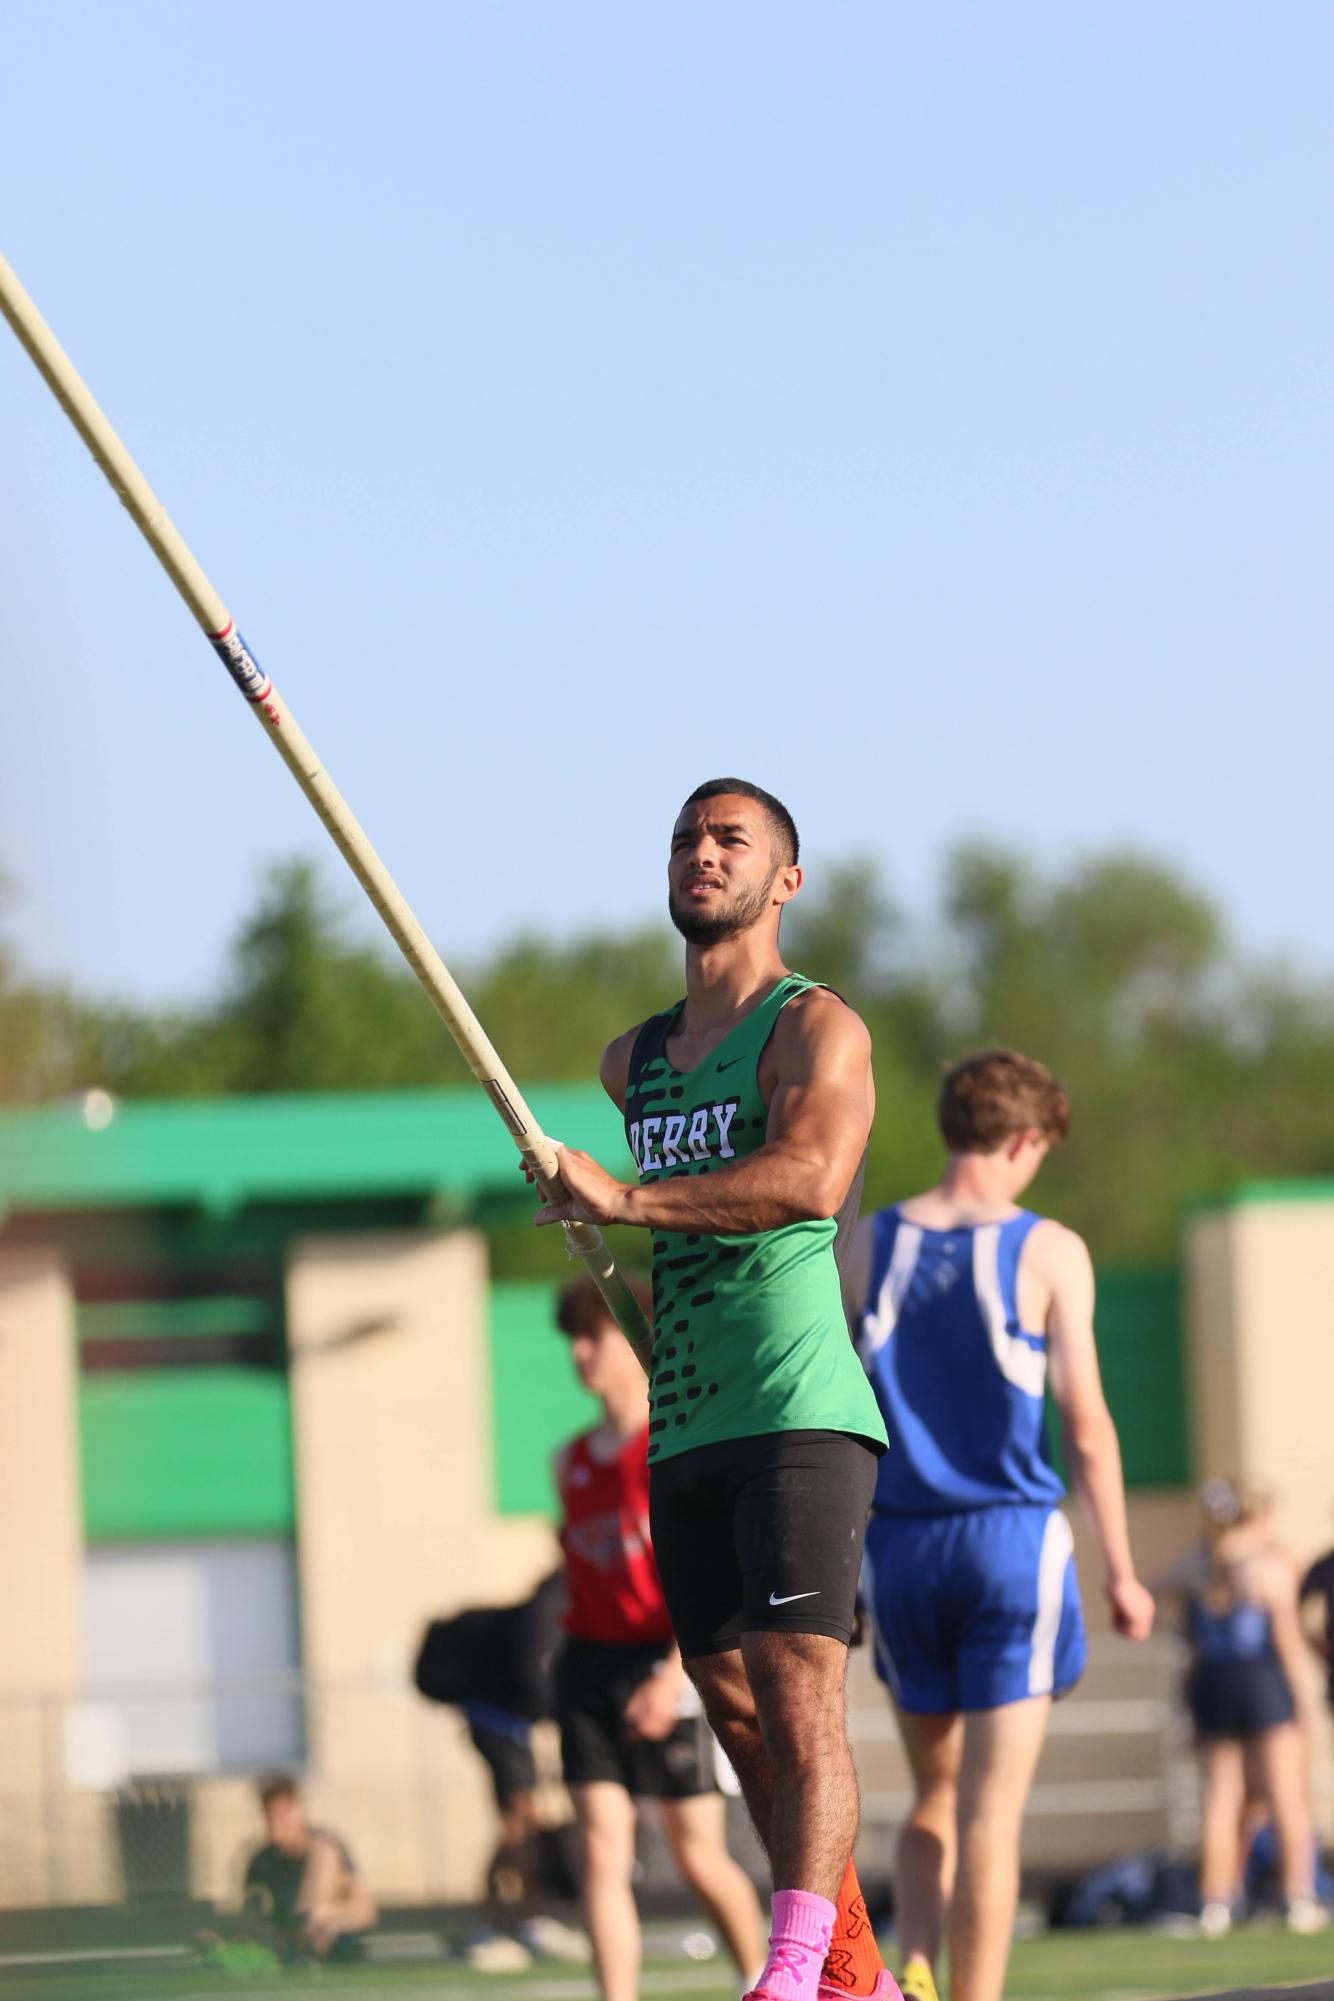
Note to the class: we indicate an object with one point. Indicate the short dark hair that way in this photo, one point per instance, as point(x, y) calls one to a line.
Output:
point(989, 1097)
point(278, 1786)
point(581, 1309)
point(782, 826)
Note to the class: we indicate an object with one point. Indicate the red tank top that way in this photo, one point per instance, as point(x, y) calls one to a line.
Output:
point(612, 1580)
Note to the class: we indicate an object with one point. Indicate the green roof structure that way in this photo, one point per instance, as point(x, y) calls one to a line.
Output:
point(219, 1154)
point(173, 1219)
point(1248, 1194)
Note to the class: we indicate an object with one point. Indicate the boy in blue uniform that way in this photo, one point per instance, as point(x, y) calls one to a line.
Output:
point(965, 1305)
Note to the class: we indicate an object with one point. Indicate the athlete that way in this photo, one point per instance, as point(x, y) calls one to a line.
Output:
point(630, 1723)
point(747, 1107)
point(1246, 1690)
point(967, 1305)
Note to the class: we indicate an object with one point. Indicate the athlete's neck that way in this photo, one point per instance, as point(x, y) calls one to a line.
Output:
point(625, 1411)
point(975, 1188)
point(725, 981)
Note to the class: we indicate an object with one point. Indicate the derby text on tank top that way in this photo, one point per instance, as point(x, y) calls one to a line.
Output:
point(960, 1383)
point(749, 1333)
point(611, 1577)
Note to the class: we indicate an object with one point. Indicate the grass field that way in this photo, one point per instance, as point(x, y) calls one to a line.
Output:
point(1070, 1966)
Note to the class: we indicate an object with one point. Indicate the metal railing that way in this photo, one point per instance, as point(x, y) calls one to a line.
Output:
point(91, 1813)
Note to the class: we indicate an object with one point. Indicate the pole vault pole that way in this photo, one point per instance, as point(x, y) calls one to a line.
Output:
point(219, 628)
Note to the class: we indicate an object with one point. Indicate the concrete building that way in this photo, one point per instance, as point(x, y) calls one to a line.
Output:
point(263, 1415)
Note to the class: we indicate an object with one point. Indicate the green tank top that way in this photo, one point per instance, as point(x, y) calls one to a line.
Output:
point(749, 1334)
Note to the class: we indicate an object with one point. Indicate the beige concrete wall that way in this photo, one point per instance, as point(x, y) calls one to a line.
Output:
point(1209, 1256)
point(41, 1556)
point(393, 1436)
point(1261, 1333)
point(1261, 1287)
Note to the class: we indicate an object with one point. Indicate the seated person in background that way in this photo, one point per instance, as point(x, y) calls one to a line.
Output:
point(631, 1725)
point(1317, 1610)
point(302, 1886)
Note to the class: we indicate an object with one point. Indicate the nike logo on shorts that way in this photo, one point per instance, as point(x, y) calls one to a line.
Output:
point(792, 1595)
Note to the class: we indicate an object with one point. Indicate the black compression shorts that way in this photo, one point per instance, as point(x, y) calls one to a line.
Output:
point(594, 1681)
point(762, 1535)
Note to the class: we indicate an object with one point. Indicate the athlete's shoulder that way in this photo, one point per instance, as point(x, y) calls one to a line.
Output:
point(1057, 1249)
point(818, 1018)
point(564, 1457)
point(1272, 1578)
point(614, 1068)
point(617, 1057)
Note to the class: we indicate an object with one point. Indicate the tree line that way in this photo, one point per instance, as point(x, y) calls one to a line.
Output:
point(1190, 1066)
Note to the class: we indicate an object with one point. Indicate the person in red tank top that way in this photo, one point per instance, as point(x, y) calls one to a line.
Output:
point(631, 1724)
point(611, 1580)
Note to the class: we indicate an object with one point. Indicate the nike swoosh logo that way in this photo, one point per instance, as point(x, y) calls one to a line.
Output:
point(792, 1595)
point(727, 1066)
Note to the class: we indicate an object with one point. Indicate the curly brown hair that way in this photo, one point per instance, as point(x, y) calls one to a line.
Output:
point(989, 1097)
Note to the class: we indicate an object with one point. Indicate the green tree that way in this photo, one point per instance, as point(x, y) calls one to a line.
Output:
point(1189, 1068)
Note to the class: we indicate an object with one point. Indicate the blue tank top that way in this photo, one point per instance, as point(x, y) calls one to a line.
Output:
point(1242, 1632)
point(959, 1383)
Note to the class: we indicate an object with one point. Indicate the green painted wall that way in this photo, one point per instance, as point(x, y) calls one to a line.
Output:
point(186, 1453)
point(536, 1399)
point(208, 1451)
point(1141, 1347)
point(1141, 1352)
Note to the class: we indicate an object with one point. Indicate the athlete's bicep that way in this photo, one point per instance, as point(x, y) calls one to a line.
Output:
point(820, 1109)
point(1072, 1355)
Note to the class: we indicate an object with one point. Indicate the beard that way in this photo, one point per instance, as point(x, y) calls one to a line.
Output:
point(712, 926)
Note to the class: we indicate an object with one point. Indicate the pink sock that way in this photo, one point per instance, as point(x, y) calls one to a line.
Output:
point(798, 1942)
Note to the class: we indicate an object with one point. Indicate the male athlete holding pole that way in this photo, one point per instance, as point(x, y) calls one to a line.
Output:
point(747, 1107)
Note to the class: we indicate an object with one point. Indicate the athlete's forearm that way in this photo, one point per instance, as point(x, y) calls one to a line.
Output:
point(355, 1911)
point(771, 1187)
point(1093, 1455)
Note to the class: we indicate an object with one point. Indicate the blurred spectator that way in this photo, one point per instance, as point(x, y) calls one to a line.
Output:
point(1246, 1690)
point(1317, 1605)
point(302, 1891)
point(631, 1724)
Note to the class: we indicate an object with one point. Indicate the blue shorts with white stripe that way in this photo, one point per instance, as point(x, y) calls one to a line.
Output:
point(973, 1610)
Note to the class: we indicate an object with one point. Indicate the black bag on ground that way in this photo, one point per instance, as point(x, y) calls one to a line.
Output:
point(497, 1654)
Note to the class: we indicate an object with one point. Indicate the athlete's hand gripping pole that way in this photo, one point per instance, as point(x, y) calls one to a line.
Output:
point(133, 490)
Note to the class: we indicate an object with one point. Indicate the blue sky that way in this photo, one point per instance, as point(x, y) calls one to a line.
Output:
point(924, 411)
